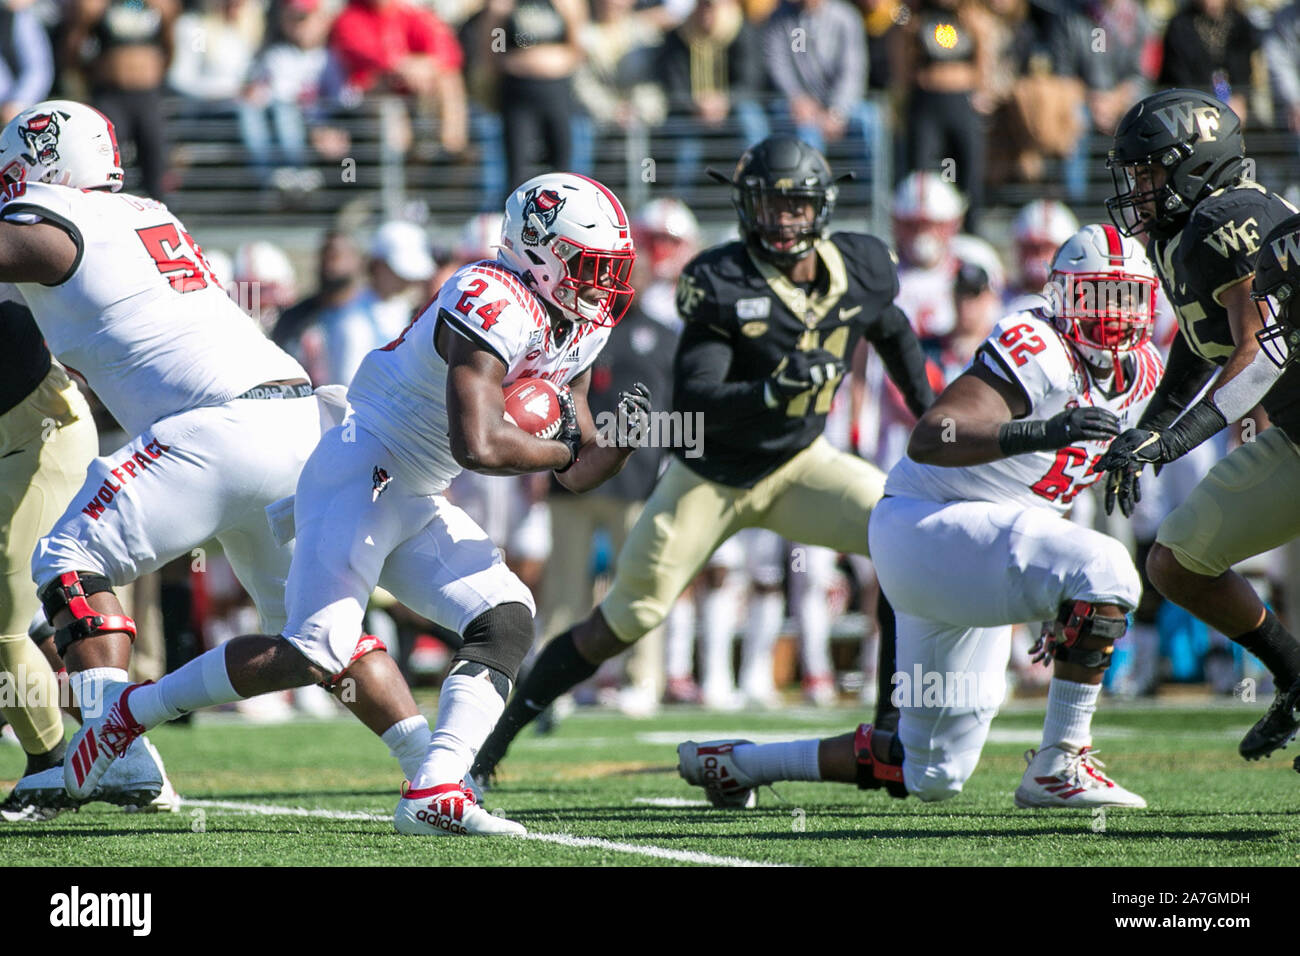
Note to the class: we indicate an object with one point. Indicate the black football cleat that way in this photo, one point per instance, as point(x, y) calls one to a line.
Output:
point(1276, 728)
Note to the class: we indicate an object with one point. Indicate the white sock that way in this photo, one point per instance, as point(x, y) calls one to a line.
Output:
point(719, 608)
point(766, 612)
point(1070, 707)
point(815, 630)
point(766, 763)
point(408, 741)
point(679, 639)
point(468, 709)
point(89, 688)
point(203, 682)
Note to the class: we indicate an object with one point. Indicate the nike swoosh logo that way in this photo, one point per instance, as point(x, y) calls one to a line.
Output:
point(850, 313)
point(529, 704)
point(12, 453)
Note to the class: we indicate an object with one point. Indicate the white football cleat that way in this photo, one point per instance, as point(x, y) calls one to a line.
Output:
point(711, 766)
point(168, 800)
point(449, 808)
point(99, 742)
point(137, 780)
point(1057, 777)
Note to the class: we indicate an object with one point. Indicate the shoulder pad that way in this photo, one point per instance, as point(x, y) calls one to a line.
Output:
point(39, 199)
point(1034, 353)
point(490, 304)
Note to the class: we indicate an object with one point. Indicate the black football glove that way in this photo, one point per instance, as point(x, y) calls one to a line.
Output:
point(799, 372)
point(1062, 429)
point(1124, 487)
point(570, 431)
point(1134, 449)
point(634, 416)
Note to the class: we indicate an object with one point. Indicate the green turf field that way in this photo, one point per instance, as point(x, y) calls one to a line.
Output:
point(603, 790)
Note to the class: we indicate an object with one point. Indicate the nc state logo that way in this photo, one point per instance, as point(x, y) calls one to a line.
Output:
point(41, 134)
point(541, 206)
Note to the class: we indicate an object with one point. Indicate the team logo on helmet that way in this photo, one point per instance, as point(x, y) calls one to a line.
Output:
point(541, 206)
point(41, 134)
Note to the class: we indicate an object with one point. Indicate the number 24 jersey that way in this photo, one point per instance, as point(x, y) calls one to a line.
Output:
point(1026, 349)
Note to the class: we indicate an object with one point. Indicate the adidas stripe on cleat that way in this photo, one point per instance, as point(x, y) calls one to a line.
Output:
point(712, 766)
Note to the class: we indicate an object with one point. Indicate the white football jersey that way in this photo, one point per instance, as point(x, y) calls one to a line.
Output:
point(399, 393)
point(140, 316)
point(1026, 349)
point(925, 296)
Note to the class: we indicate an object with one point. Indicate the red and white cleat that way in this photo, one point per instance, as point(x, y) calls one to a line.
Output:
point(1057, 777)
point(446, 810)
point(711, 766)
point(99, 742)
point(820, 691)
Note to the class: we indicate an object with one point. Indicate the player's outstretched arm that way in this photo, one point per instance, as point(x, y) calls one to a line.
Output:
point(1245, 379)
point(481, 439)
point(900, 350)
point(975, 421)
point(39, 252)
point(601, 456)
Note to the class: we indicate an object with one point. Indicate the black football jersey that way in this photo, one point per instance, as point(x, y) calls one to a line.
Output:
point(25, 359)
point(728, 296)
point(1216, 249)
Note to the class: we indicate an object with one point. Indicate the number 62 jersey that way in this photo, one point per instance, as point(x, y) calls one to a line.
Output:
point(1026, 350)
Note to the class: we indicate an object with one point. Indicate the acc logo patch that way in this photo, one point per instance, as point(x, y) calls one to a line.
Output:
point(532, 355)
point(759, 308)
point(753, 330)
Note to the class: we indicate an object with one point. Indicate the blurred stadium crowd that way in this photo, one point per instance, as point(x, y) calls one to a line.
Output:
point(966, 95)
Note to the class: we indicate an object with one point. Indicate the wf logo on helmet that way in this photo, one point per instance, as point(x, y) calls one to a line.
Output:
point(1287, 250)
point(41, 134)
point(541, 206)
point(1185, 119)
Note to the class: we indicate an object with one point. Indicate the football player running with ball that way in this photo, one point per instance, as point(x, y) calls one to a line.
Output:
point(1180, 186)
point(369, 509)
point(971, 539)
point(770, 321)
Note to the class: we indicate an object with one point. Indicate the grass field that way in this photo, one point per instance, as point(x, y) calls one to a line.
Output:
point(603, 790)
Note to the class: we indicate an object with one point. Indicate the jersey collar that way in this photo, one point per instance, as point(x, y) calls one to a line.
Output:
point(808, 308)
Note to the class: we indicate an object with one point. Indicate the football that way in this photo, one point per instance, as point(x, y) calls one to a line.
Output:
point(533, 404)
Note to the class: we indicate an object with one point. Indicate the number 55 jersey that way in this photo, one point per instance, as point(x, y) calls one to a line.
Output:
point(139, 314)
point(1026, 350)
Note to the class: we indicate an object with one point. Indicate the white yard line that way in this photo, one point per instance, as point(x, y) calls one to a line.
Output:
point(563, 839)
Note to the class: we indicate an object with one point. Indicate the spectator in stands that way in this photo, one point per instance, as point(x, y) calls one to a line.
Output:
point(132, 42)
point(1208, 46)
point(400, 265)
point(291, 81)
point(711, 68)
point(1282, 52)
point(339, 281)
point(615, 83)
point(881, 19)
point(214, 50)
point(26, 60)
point(816, 57)
point(397, 47)
point(947, 63)
point(1107, 44)
point(533, 50)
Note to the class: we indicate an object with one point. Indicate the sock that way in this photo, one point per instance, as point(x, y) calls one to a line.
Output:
point(33, 708)
point(408, 741)
point(51, 758)
point(766, 612)
point(795, 760)
point(815, 631)
point(1276, 649)
point(719, 609)
point(558, 668)
point(1070, 707)
point(679, 639)
point(203, 682)
point(89, 688)
point(468, 709)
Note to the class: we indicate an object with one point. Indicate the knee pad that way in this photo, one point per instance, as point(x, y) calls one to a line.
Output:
point(1077, 620)
point(499, 638)
point(500, 683)
point(69, 592)
point(873, 773)
point(364, 646)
